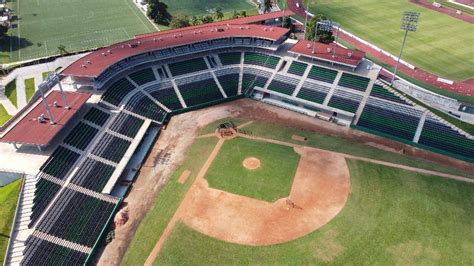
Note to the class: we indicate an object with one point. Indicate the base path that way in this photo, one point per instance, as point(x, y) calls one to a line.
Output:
point(417, 73)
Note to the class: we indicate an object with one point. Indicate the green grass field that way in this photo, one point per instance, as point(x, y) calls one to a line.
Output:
point(76, 24)
point(29, 88)
point(10, 92)
point(408, 216)
point(270, 182)
point(392, 217)
point(8, 199)
point(4, 116)
point(201, 7)
point(442, 44)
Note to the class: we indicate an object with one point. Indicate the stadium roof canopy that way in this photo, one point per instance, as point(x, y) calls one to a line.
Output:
point(27, 129)
point(93, 64)
point(324, 52)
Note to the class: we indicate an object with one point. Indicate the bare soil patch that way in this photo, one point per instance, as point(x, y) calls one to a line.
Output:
point(251, 163)
point(184, 176)
point(320, 189)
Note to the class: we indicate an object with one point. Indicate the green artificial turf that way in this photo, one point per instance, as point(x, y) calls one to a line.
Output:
point(77, 24)
point(441, 44)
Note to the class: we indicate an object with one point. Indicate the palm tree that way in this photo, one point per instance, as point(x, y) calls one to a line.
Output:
point(62, 49)
point(267, 6)
point(219, 15)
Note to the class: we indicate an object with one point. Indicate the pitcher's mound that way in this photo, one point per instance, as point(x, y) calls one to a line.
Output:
point(251, 163)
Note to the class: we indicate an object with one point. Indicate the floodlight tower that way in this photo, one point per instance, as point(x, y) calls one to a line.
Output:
point(323, 25)
point(335, 41)
point(306, 18)
point(409, 23)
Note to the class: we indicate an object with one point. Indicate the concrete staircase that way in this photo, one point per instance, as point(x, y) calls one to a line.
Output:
point(20, 231)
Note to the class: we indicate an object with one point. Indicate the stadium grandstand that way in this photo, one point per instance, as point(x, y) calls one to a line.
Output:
point(65, 209)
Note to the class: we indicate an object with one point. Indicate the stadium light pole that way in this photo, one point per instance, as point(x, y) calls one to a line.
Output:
point(324, 25)
point(335, 41)
point(409, 23)
point(306, 18)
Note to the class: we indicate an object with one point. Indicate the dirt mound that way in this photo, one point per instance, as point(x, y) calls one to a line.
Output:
point(251, 163)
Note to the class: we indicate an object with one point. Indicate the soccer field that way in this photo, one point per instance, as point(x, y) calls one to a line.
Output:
point(442, 44)
point(77, 24)
point(200, 7)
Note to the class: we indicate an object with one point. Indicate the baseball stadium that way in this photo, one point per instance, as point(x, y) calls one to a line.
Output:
point(233, 143)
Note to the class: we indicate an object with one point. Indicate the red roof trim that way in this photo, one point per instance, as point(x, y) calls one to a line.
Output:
point(305, 48)
point(28, 130)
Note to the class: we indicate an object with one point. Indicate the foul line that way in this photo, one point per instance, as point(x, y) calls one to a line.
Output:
point(169, 228)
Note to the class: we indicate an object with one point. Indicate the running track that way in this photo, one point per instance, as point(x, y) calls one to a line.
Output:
point(418, 73)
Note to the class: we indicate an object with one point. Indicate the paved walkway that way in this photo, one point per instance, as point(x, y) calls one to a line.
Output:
point(11, 109)
point(419, 74)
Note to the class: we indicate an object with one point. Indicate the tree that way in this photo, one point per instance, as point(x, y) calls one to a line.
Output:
point(62, 49)
point(321, 36)
point(180, 21)
point(243, 14)
point(158, 12)
point(235, 14)
point(288, 23)
point(207, 19)
point(266, 6)
point(195, 20)
point(219, 15)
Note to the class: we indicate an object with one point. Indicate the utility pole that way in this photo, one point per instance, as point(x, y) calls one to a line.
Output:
point(409, 23)
point(306, 18)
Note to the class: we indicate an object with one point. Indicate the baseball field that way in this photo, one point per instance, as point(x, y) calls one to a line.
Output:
point(441, 44)
point(328, 203)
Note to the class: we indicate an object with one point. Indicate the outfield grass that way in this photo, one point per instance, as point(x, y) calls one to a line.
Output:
point(392, 216)
point(4, 116)
point(270, 182)
point(76, 24)
point(10, 92)
point(29, 88)
point(352, 147)
point(8, 199)
point(442, 44)
point(201, 7)
point(166, 204)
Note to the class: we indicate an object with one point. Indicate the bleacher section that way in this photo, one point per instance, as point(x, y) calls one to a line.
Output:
point(143, 76)
point(117, 91)
point(390, 119)
point(197, 90)
point(44, 193)
point(353, 82)
point(126, 125)
point(165, 94)
point(313, 92)
point(262, 60)
point(42, 252)
point(345, 101)
point(440, 136)
point(283, 84)
point(75, 217)
point(93, 175)
point(97, 116)
point(59, 163)
point(230, 58)
point(144, 106)
point(297, 68)
point(111, 147)
point(322, 74)
point(229, 80)
point(81, 136)
point(186, 67)
point(382, 93)
point(254, 78)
